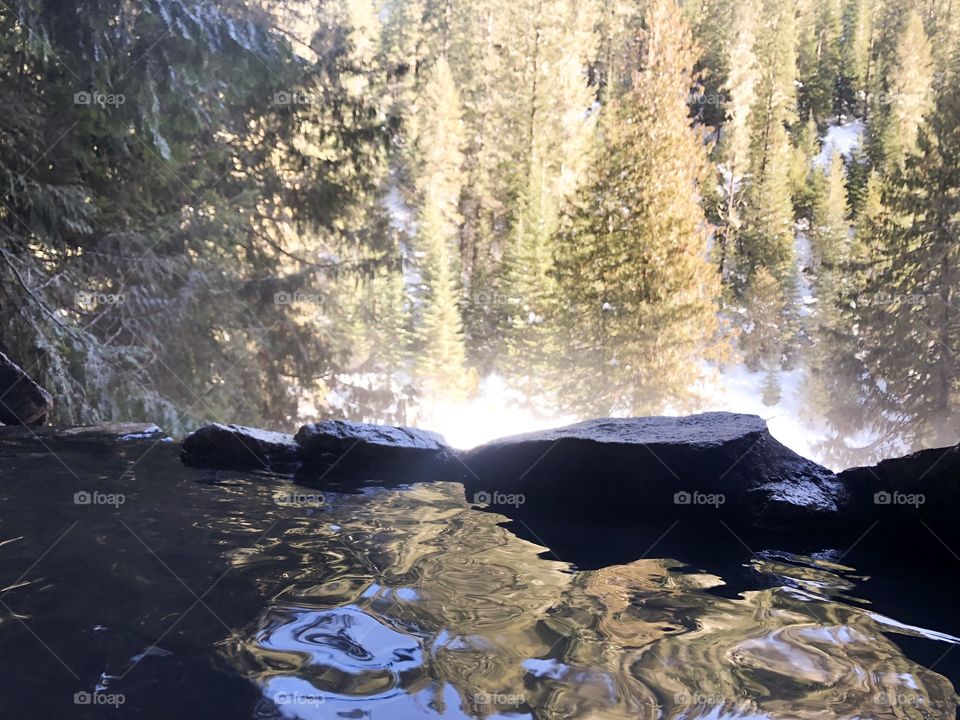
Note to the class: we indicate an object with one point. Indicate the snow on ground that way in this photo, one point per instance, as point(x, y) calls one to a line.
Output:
point(725, 186)
point(839, 138)
point(803, 254)
point(737, 389)
point(401, 214)
point(403, 221)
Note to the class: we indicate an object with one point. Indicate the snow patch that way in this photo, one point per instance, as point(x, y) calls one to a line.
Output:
point(738, 389)
point(840, 138)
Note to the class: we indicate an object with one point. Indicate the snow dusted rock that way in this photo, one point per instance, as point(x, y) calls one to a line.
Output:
point(383, 448)
point(717, 465)
point(240, 447)
point(22, 401)
point(357, 452)
point(924, 486)
point(91, 434)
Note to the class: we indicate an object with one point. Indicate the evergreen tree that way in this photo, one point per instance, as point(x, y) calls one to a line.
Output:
point(633, 263)
point(442, 357)
point(909, 88)
point(819, 49)
point(919, 328)
point(830, 254)
point(766, 241)
point(762, 341)
point(870, 221)
point(805, 181)
point(839, 379)
point(486, 200)
point(176, 183)
point(900, 307)
point(907, 98)
point(857, 59)
point(402, 45)
point(620, 31)
point(734, 145)
point(767, 237)
point(715, 25)
point(555, 97)
point(829, 231)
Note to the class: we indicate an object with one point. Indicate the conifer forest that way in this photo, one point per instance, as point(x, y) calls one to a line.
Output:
point(264, 211)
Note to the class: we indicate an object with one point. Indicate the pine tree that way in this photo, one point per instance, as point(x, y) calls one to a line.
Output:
point(821, 25)
point(766, 241)
point(206, 184)
point(870, 220)
point(620, 29)
point(402, 45)
point(830, 230)
point(900, 301)
point(715, 25)
point(633, 263)
point(805, 182)
point(942, 22)
point(767, 237)
point(830, 337)
point(442, 358)
point(857, 61)
point(920, 326)
point(762, 341)
point(554, 98)
point(907, 98)
point(486, 199)
point(909, 88)
point(734, 145)
point(840, 385)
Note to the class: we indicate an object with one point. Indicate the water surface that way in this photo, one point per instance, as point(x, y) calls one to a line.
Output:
point(173, 592)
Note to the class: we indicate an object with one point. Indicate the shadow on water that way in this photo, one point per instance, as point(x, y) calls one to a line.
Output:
point(227, 595)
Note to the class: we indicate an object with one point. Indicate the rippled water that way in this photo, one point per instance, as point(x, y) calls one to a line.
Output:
point(203, 594)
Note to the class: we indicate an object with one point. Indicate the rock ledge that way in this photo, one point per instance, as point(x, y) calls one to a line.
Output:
point(713, 464)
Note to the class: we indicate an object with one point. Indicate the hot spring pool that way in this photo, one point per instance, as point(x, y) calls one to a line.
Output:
point(135, 587)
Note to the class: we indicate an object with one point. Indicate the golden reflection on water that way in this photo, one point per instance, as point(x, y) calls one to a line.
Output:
point(406, 603)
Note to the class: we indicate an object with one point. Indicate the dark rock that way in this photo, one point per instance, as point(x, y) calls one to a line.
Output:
point(711, 466)
point(339, 436)
point(338, 450)
point(22, 401)
point(237, 446)
point(922, 487)
point(383, 452)
point(103, 433)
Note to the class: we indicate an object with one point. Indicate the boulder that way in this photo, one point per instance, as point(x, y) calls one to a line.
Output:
point(22, 401)
point(921, 487)
point(383, 452)
point(240, 447)
point(714, 465)
point(336, 449)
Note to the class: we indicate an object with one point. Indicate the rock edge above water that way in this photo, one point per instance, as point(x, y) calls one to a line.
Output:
point(920, 488)
point(241, 447)
point(614, 470)
point(105, 433)
point(372, 452)
point(710, 465)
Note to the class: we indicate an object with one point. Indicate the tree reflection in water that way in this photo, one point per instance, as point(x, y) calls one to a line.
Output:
point(410, 604)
